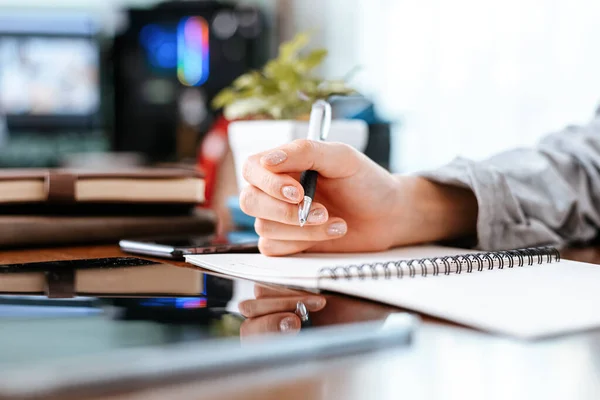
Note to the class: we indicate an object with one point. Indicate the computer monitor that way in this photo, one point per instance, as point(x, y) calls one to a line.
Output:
point(49, 72)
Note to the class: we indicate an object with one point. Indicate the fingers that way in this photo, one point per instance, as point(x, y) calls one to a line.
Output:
point(275, 248)
point(333, 229)
point(278, 248)
point(331, 160)
point(279, 186)
point(259, 204)
point(281, 322)
point(274, 314)
point(271, 305)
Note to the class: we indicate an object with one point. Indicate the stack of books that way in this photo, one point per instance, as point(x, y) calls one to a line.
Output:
point(61, 206)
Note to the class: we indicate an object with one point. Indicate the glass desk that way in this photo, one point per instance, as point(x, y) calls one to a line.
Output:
point(89, 324)
point(441, 361)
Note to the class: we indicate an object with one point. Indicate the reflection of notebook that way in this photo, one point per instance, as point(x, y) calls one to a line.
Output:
point(524, 293)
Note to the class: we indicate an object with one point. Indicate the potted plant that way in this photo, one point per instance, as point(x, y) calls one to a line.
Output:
point(271, 106)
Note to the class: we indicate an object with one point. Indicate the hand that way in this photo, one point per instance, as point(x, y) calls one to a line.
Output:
point(352, 206)
point(273, 311)
point(358, 206)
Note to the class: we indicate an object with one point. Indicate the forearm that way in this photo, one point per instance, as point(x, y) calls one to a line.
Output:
point(544, 195)
point(431, 212)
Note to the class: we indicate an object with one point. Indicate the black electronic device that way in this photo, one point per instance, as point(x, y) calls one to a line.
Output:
point(179, 247)
point(169, 63)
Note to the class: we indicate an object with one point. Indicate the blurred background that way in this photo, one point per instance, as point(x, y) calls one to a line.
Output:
point(79, 78)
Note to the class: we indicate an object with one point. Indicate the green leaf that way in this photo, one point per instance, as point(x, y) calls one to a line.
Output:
point(285, 76)
point(311, 60)
point(223, 98)
point(246, 80)
point(310, 86)
point(267, 87)
point(245, 107)
point(329, 88)
point(270, 68)
point(289, 50)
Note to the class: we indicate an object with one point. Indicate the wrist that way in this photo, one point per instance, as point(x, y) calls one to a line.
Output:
point(427, 211)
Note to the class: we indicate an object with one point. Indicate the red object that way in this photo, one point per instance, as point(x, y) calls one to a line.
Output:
point(210, 155)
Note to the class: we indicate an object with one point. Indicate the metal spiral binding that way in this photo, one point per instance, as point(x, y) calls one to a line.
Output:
point(446, 265)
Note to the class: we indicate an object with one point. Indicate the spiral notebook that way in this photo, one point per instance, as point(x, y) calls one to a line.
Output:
point(525, 293)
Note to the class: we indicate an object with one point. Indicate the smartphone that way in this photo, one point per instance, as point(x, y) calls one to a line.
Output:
point(178, 247)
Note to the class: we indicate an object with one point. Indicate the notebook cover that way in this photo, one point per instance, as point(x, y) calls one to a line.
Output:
point(23, 231)
point(60, 183)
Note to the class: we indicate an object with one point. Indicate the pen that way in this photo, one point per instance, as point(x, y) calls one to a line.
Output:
point(302, 313)
point(318, 129)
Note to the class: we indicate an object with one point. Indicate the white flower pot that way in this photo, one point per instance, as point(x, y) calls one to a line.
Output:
point(247, 138)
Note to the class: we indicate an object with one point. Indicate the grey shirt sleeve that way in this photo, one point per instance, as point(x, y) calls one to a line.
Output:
point(545, 195)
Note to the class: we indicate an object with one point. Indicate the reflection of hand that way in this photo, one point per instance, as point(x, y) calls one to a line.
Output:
point(273, 310)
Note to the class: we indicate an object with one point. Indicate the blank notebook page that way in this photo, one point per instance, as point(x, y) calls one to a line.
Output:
point(526, 302)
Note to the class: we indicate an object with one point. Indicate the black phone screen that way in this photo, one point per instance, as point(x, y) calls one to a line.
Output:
point(177, 247)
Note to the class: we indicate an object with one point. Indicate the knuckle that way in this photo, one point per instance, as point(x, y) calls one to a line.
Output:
point(247, 169)
point(353, 159)
point(259, 291)
point(303, 145)
point(246, 328)
point(269, 183)
point(343, 147)
point(260, 227)
point(247, 199)
point(345, 150)
point(266, 247)
point(247, 308)
point(290, 214)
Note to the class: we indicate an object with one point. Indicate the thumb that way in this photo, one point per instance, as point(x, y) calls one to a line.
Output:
point(329, 159)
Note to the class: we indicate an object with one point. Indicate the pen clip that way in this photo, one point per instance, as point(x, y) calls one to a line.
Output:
point(320, 120)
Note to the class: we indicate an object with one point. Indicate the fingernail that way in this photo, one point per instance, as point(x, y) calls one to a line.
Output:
point(337, 229)
point(288, 324)
point(274, 158)
point(315, 303)
point(317, 215)
point(290, 192)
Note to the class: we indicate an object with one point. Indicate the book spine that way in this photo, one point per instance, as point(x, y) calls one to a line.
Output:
point(36, 231)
